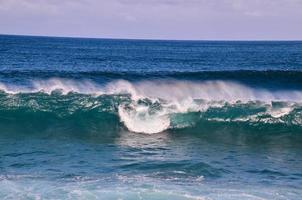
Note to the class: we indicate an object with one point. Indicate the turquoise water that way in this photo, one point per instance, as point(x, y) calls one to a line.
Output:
point(139, 119)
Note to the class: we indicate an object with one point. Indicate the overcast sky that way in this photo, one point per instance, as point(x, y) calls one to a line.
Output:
point(155, 19)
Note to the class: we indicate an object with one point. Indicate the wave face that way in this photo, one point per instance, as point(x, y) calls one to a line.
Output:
point(154, 106)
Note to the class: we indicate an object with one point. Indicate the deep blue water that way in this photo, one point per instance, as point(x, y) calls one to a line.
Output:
point(142, 119)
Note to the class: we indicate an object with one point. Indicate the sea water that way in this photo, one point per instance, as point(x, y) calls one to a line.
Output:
point(146, 119)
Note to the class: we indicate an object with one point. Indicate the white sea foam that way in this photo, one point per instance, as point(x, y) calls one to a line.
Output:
point(134, 187)
point(139, 120)
point(277, 113)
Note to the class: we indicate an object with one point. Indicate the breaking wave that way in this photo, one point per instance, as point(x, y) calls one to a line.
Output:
point(151, 106)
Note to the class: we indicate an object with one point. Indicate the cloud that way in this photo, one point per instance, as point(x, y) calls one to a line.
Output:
point(172, 19)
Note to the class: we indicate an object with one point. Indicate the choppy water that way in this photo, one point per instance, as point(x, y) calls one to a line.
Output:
point(133, 119)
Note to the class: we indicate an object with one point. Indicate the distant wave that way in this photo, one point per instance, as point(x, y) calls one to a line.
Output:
point(154, 106)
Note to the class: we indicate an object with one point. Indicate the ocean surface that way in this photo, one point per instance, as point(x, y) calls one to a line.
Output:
point(142, 119)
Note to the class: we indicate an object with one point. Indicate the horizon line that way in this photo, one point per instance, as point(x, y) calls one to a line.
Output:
point(153, 39)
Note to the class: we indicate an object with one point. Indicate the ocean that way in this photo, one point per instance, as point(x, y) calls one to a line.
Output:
point(150, 119)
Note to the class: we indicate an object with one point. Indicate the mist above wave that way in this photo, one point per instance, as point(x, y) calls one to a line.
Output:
point(164, 89)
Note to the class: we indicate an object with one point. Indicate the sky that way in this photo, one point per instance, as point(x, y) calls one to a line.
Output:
point(155, 19)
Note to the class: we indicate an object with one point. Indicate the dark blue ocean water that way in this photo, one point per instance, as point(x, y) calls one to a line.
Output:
point(142, 119)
